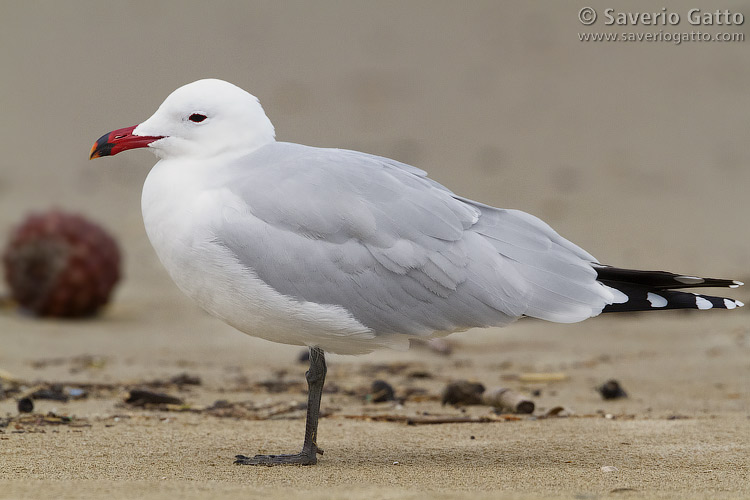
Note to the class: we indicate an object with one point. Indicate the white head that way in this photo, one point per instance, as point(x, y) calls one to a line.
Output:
point(201, 119)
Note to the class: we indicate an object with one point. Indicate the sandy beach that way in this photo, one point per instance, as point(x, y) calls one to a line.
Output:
point(636, 152)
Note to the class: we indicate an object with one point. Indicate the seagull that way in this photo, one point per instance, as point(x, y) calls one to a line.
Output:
point(348, 252)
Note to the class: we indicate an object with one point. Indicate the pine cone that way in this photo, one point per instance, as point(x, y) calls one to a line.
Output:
point(60, 264)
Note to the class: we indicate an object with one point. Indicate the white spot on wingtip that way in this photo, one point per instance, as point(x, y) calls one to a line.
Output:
point(702, 303)
point(730, 304)
point(656, 300)
point(738, 283)
point(618, 297)
point(739, 303)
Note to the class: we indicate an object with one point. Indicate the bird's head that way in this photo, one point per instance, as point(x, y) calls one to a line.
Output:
point(201, 119)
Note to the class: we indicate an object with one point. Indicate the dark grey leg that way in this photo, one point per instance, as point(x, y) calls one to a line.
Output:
point(316, 377)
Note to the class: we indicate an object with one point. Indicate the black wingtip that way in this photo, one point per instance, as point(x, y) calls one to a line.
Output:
point(657, 290)
point(660, 279)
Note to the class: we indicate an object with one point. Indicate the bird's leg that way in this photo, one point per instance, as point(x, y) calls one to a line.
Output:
point(316, 377)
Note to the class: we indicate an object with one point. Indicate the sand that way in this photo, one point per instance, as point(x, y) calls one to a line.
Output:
point(683, 430)
point(637, 152)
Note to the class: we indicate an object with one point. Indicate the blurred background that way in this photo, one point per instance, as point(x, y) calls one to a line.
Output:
point(638, 152)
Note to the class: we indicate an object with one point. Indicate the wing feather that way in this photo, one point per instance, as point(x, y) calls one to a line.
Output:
point(399, 251)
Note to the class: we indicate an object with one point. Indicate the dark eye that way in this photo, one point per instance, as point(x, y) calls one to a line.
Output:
point(197, 118)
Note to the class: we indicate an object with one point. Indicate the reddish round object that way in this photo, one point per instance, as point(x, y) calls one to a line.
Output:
point(60, 264)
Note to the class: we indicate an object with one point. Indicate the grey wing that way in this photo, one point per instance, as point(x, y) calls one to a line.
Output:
point(400, 252)
point(559, 272)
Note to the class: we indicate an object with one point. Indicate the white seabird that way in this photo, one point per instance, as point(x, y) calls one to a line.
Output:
point(347, 252)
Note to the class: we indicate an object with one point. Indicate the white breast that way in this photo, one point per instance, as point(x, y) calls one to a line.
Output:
point(178, 213)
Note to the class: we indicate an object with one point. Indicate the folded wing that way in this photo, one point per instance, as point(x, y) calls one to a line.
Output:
point(399, 251)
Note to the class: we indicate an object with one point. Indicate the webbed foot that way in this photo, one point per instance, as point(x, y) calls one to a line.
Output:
point(301, 458)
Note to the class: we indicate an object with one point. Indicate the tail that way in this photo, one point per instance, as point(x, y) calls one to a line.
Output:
point(653, 290)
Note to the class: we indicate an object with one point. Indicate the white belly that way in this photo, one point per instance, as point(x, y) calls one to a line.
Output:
point(178, 221)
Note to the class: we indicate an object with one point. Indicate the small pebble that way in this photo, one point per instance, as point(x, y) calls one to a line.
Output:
point(463, 392)
point(609, 468)
point(396, 463)
point(612, 390)
point(381, 392)
point(25, 405)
